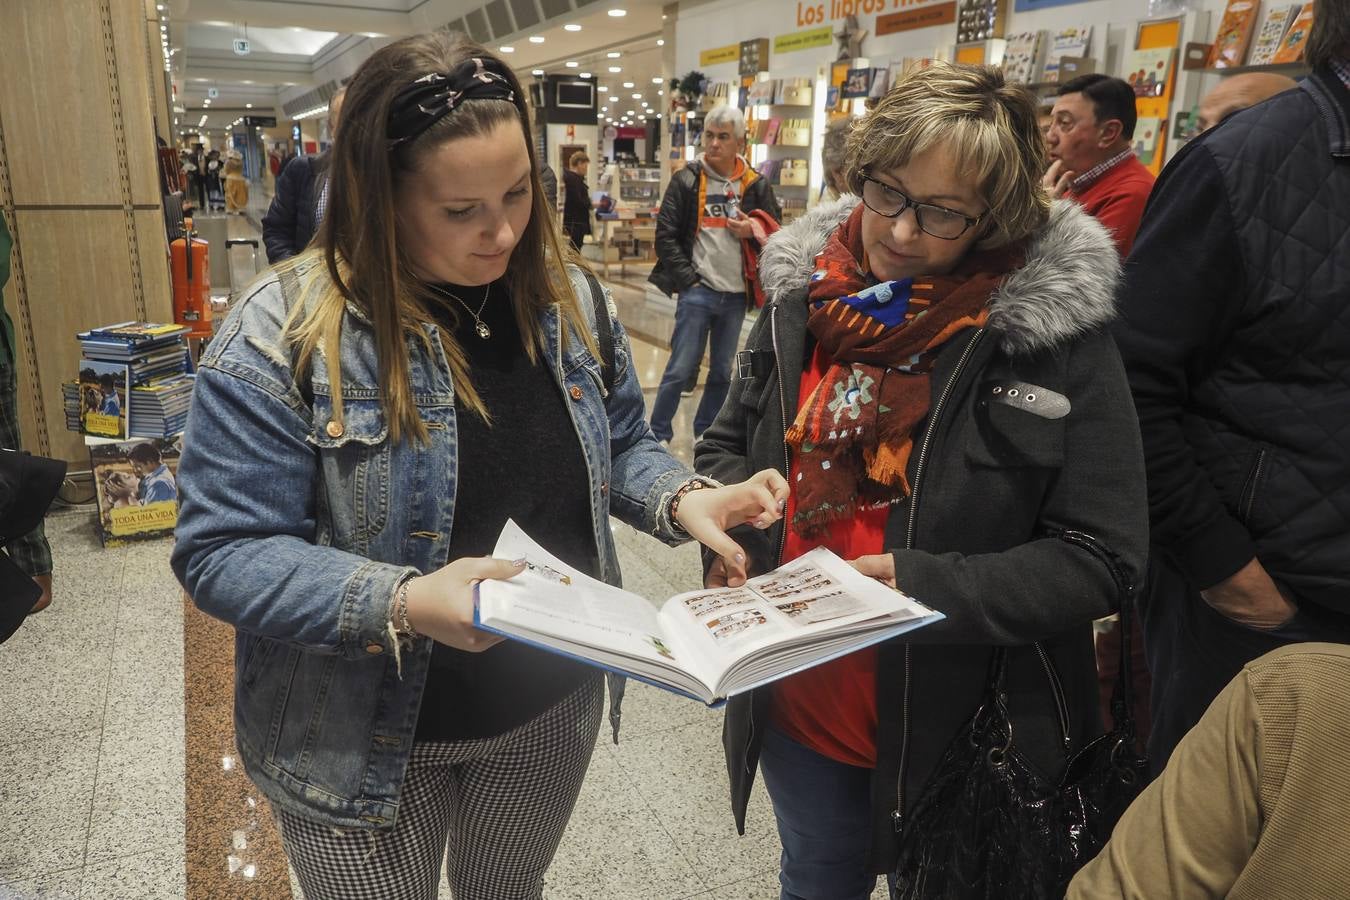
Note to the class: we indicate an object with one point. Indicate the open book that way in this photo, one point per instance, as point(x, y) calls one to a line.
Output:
point(709, 644)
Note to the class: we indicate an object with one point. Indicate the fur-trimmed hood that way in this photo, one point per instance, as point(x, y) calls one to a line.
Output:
point(1065, 289)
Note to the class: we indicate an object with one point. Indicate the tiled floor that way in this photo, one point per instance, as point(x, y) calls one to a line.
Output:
point(92, 736)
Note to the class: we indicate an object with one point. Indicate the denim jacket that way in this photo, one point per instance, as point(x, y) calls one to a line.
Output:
point(296, 529)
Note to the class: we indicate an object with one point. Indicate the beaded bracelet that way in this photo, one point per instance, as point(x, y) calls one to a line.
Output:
point(692, 484)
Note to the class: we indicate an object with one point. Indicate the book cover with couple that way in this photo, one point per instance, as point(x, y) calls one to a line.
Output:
point(136, 483)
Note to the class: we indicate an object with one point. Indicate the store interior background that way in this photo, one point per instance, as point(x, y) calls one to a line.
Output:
point(87, 87)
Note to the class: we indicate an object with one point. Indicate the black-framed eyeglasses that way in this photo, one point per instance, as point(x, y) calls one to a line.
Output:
point(939, 221)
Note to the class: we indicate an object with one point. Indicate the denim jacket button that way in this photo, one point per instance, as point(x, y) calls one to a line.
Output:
point(575, 392)
point(372, 648)
point(334, 428)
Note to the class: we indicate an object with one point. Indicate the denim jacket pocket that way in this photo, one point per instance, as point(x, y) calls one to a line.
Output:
point(354, 468)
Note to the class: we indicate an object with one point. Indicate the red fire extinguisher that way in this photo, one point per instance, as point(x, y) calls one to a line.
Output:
point(191, 283)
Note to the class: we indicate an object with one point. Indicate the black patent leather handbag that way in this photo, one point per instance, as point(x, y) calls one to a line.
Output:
point(988, 825)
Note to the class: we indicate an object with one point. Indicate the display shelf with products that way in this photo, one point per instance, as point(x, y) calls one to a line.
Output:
point(779, 137)
point(640, 186)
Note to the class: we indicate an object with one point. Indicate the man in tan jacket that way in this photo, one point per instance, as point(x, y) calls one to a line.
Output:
point(1253, 803)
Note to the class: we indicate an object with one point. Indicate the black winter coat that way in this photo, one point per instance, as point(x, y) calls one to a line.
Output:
point(1235, 330)
point(1026, 522)
point(290, 222)
point(674, 271)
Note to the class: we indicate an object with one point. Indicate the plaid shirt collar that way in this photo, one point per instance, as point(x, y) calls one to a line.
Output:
point(1092, 175)
point(1342, 69)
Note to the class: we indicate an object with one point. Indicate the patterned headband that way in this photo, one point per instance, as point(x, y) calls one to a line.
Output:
point(430, 98)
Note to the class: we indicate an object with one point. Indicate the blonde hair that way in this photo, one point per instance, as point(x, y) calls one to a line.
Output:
point(367, 266)
point(985, 123)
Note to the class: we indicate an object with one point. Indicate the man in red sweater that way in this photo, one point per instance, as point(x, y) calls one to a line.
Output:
point(1093, 161)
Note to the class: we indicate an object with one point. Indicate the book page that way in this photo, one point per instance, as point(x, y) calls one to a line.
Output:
point(814, 594)
point(559, 605)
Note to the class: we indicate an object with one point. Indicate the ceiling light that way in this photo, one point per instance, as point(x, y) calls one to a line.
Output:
point(159, 6)
point(572, 64)
point(248, 106)
point(536, 39)
point(506, 49)
point(637, 96)
point(585, 74)
point(602, 89)
point(373, 34)
point(660, 93)
point(656, 80)
point(630, 113)
point(618, 13)
point(661, 42)
point(537, 73)
point(604, 109)
point(613, 54)
point(571, 26)
point(614, 70)
point(628, 85)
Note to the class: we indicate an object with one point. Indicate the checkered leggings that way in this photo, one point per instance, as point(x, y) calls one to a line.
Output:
point(496, 807)
point(31, 552)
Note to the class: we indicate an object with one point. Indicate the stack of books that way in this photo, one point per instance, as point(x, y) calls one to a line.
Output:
point(159, 408)
point(121, 360)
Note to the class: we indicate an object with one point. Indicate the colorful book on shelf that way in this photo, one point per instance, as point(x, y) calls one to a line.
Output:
point(1235, 33)
point(1022, 59)
point(771, 130)
point(1271, 34)
point(1149, 70)
point(136, 486)
point(1074, 40)
point(881, 83)
point(1296, 38)
point(1147, 139)
point(857, 83)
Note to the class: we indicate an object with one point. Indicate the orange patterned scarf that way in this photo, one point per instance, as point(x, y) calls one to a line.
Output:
point(852, 437)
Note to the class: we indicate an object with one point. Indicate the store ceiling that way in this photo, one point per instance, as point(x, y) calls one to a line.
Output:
point(291, 40)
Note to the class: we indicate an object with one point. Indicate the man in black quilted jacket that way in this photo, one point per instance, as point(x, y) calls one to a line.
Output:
point(1235, 329)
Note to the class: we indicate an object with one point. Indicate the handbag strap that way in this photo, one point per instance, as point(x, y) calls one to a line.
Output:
point(604, 331)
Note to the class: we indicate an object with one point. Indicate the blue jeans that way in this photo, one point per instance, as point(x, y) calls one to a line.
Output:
point(699, 313)
point(824, 814)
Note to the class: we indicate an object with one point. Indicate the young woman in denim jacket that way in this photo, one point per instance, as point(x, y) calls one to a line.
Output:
point(377, 410)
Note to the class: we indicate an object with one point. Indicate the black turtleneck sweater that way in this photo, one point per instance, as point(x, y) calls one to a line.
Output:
point(527, 466)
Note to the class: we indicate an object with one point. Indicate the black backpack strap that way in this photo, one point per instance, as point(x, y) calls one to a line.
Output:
point(605, 332)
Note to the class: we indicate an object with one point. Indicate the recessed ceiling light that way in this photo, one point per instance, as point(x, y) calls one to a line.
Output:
point(572, 64)
point(585, 74)
point(614, 70)
point(373, 34)
point(656, 80)
point(602, 89)
point(613, 54)
point(660, 93)
point(248, 106)
point(537, 72)
point(536, 39)
point(618, 13)
point(571, 26)
point(628, 85)
point(637, 96)
point(661, 42)
point(506, 49)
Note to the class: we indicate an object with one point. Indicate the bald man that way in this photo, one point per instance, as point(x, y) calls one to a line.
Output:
point(1237, 92)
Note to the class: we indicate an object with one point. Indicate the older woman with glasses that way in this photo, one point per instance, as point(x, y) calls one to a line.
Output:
point(933, 377)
